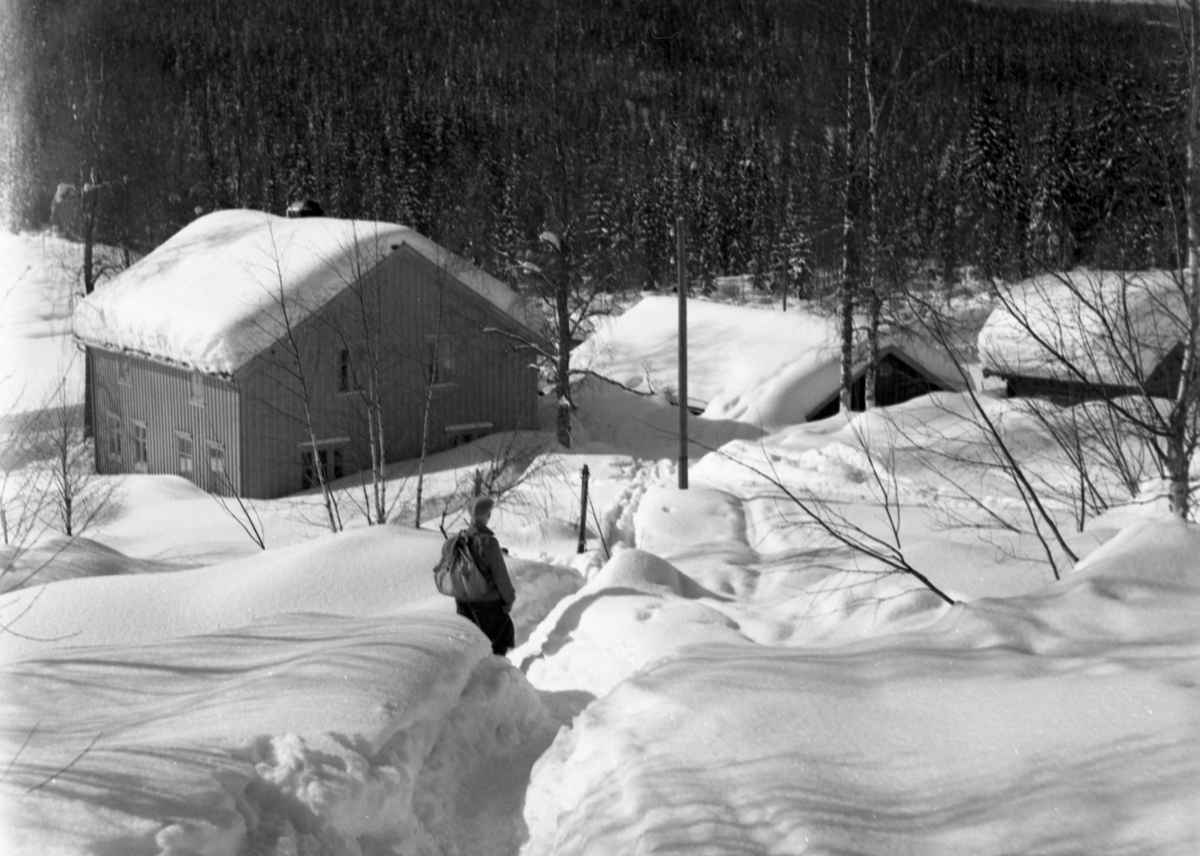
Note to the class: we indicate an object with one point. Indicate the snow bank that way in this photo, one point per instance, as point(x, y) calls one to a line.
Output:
point(1057, 320)
point(701, 520)
point(212, 296)
point(611, 419)
point(59, 558)
point(1051, 724)
point(366, 572)
point(299, 734)
point(764, 368)
point(638, 609)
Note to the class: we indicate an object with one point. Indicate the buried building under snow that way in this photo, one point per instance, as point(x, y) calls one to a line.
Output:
point(1087, 335)
point(755, 365)
point(254, 354)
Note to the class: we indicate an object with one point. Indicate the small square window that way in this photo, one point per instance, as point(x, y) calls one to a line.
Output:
point(196, 389)
point(141, 447)
point(184, 446)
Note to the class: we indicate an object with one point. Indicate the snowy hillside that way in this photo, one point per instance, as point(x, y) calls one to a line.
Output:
point(37, 285)
point(714, 673)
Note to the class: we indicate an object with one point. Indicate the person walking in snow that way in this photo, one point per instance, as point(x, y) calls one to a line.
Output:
point(491, 614)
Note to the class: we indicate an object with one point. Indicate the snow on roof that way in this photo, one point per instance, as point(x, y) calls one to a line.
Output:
point(210, 297)
point(753, 365)
point(1113, 327)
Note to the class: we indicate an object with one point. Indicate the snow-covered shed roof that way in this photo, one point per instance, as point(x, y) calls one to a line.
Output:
point(753, 365)
point(210, 297)
point(1113, 327)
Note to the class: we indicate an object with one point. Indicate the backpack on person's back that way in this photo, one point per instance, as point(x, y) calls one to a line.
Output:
point(458, 575)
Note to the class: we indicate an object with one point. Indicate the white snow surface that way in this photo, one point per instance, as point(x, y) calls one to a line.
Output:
point(753, 365)
point(1048, 323)
point(306, 699)
point(1055, 723)
point(712, 674)
point(214, 295)
point(37, 291)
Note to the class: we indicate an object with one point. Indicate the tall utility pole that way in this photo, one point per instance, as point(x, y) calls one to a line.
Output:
point(683, 390)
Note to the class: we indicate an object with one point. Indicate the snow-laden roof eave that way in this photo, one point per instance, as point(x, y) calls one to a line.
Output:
point(154, 358)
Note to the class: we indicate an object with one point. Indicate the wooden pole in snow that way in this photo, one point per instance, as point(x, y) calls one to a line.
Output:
point(583, 504)
point(683, 389)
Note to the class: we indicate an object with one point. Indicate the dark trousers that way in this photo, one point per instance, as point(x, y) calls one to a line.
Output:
point(493, 621)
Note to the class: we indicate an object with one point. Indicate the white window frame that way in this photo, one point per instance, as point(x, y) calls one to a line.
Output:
point(114, 449)
point(139, 435)
point(181, 436)
point(196, 389)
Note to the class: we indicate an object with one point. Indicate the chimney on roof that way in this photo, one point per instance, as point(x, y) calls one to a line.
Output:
point(305, 208)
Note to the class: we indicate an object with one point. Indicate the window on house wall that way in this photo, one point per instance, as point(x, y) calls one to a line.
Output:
point(114, 437)
point(184, 451)
point(196, 389)
point(141, 447)
point(123, 370)
point(323, 458)
point(216, 464)
point(348, 378)
point(439, 359)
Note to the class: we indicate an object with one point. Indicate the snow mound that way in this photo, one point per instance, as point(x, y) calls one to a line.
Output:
point(671, 522)
point(298, 734)
point(374, 571)
point(1165, 550)
point(1058, 723)
point(611, 419)
point(212, 296)
point(61, 558)
point(636, 610)
point(640, 571)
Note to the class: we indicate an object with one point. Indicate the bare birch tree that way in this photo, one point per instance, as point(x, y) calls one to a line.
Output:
point(292, 358)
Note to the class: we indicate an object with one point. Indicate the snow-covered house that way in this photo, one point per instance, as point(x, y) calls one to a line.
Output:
point(1087, 335)
point(755, 365)
point(213, 355)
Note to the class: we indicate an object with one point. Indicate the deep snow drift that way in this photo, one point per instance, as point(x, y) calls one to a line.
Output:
point(301, 734)
point(1063, 722)
point(320, 698)
point(713, 673)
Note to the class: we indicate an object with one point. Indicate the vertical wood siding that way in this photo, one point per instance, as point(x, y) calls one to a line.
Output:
point(492, 383)
point(159, 396)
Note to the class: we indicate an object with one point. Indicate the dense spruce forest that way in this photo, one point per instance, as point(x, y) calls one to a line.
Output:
point(994, 136)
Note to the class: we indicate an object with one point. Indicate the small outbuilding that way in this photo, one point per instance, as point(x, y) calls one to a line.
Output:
point(249, 349)
point(1087, 335)
point(756, 365)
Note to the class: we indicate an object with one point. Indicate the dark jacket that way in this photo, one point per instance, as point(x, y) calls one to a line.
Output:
point(485, 549)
